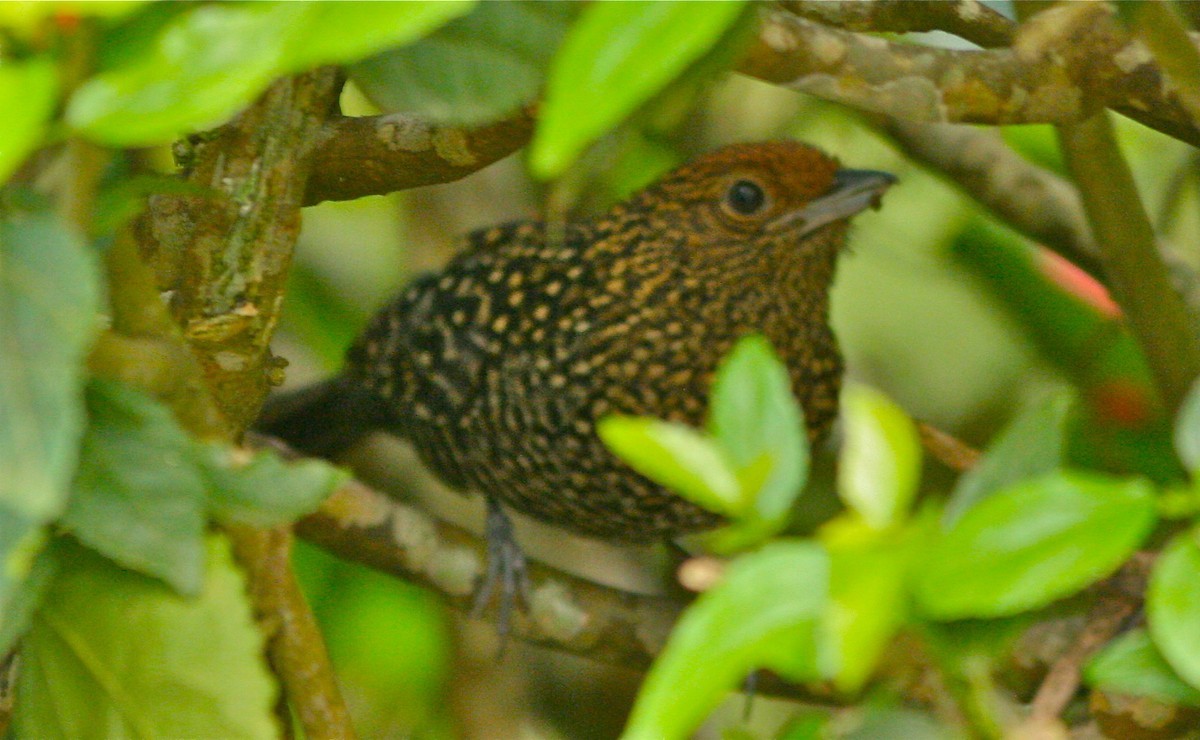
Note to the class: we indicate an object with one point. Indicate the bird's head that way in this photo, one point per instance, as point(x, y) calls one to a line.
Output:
point(758, 199)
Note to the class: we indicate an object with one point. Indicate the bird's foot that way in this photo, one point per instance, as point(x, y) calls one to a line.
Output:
point(506, 575)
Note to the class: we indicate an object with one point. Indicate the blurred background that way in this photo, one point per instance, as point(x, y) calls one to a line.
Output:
point(913, 321)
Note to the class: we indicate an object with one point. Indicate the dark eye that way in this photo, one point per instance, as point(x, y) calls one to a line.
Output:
point(745, 197)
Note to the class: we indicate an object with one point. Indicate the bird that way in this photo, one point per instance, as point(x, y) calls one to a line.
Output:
point(498, 367)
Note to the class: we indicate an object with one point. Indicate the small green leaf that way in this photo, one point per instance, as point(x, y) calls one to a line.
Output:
point(1187, 430)
point(478, 68)
point(1132, 665)
point(49, 297)
point(112, 653)
point(881, 458)
point(28, 92)
point(339, 32)
point(1033, 543)
point(677, 457)
point(1173, 606)
point(262, 490)
point(1034, 442)
point(614, 58)
point(202, 67)
point(139, 496)
point(763, 613)
point(759, 424)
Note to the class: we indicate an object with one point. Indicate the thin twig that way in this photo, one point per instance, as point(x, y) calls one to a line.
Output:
point(947, 449)
point(1119, 600)
point(294, 644)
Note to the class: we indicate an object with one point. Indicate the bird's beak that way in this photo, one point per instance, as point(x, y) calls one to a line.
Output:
point(852, 191)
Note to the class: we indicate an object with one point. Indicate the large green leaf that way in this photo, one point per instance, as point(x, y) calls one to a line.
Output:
point(139, 496)
point(757, 421)
point(478, 68)
point(1033, 543)
point(1131, 664)
point(49, 297)
point(1173, 606)
point(145, 488)
point(1033, 443)
point(347, 31)
point(20, 598)
point(200, 67)
point(763, 613)
point(28, 91)
point(115, 654)
point(880, 463)
point(676, 456)
point(614, 58)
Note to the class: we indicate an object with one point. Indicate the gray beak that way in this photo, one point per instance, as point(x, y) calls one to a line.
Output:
point(852, 191)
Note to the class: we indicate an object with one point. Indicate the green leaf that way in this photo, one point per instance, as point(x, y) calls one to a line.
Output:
point(49, 296)
point(677, 457)
point(28, 92)
point(757, 421)
point(115, 654)
point(1187, 430)
point(139, 496)
point(478, 68)
point(764, 613)
point(202, 67)
point(344, 32)
point(262, 490)
point(1034, 442)
point(1033, 543)
point(34, 567)
point(1173, 606)
point(880, 463)
point(614, 58)
point(1132, 665)
point(868, 599)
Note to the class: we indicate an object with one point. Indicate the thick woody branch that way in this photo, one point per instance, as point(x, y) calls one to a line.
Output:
point(967, 19)
point(565, 612)
point(225, 256)
point(1064, 65)
point(372, 155)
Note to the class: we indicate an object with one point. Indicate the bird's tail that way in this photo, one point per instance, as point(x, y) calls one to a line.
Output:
point(323, 419)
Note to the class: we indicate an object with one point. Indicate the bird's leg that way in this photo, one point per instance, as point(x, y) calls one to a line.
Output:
point(505, 568)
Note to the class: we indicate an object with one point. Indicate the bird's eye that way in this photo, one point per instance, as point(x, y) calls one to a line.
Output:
point(745, 197)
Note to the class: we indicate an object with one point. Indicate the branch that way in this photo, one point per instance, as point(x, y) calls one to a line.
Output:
point(225, 257)
point(566, 613)
point(294, 644)
point(1033, 200)
point(372, 155)
point(1119, 599)
point(1064, 65)
point(967, 19)
point(1128, 249)
point(230, 255)
point(362, 525)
